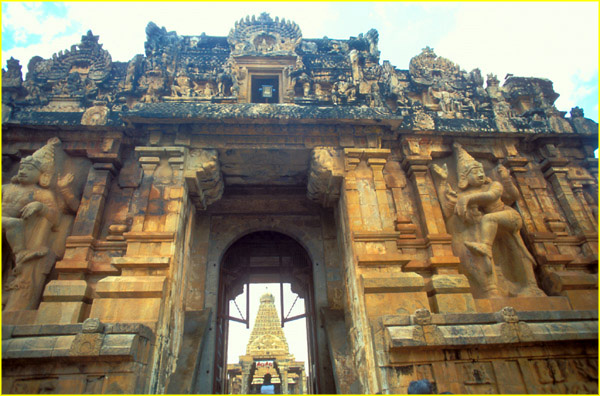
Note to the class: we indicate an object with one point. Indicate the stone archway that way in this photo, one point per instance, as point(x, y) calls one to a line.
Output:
point(263, 257)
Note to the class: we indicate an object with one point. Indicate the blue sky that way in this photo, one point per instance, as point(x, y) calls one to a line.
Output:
point(554, 40)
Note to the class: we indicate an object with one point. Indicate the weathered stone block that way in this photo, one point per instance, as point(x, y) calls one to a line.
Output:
point(405, 336)
point(131, 286)
point(583, 299)
point(22, 317)
point(140, 262)
point(463, 335)
point(445, 284)
point(67, 290)
point(395, 303)
point(403, 282)
point(523, 304)
point(383, 259)
point(453, 303)
point(61, 312)
point(126, 309)
point(62, 347)
point(120, 345)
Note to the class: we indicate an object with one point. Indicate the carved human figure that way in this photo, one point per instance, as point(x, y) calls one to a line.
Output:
point(485, 229)
point(25, 200)
point(320, 92)
point(30, 212)
point(209, 92)
point(182, 87)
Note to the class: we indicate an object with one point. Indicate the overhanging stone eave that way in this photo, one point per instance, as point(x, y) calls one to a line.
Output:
point(528, 136)
point(254, 112)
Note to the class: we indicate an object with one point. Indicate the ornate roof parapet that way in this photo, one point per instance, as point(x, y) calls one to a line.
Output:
point(427, 68)
point(530, 94)
point(88, 58)
point(434, 93)
point(264, 36)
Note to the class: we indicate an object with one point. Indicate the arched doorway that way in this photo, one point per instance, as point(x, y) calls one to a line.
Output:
point(264, 257)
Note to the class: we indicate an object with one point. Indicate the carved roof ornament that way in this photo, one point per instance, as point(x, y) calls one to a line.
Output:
point(427, 68)
point(264, 36)
point(88, 59)
point(12, 77)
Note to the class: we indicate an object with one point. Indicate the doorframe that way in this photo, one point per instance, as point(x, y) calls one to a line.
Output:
point(224, 298)
point(223, 231)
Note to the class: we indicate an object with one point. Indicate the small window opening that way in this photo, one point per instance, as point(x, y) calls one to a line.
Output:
point(265, 89)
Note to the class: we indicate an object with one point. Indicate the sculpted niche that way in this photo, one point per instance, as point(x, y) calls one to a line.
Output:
point(485, 228)
point(37, 209)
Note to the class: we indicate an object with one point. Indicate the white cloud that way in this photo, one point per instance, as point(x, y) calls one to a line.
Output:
point(30, 19)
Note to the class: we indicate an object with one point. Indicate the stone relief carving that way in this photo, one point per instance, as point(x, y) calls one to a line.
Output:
point(325, 176)
point(33, 206)
point(96, 115)
point(264, 35)
point(343, 92)
point(203, 176)
point(485, 229)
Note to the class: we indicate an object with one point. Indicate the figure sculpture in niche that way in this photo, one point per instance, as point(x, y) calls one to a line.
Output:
point(485, 229)
point(31, 210)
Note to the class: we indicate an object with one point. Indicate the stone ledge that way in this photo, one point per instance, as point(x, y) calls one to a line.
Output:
point(490, 328)
point(524, 303)
point(14, 331)
point(121, 340)
point(140, 262)
point(495, 317)
point(131, 286)
point(383, 259)
point(394, 283)
point(67, 290)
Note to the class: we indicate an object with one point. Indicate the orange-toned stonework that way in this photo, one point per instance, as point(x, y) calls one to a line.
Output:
point(437, 226)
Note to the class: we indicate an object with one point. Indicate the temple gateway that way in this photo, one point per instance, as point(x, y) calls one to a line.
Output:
point(437, 225)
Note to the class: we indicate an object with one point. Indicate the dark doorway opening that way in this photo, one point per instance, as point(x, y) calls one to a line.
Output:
point(264, 257)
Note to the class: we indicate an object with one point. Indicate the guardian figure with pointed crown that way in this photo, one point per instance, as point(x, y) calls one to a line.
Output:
point(485, 229)
point(32, 205)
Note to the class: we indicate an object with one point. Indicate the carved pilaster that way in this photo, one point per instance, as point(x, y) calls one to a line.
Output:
point(416, 164)
point(67, 299)
point(555, 171)
point(572, 278)
point(80, 245)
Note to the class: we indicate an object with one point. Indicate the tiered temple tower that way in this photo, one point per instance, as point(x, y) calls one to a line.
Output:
point(267, 353)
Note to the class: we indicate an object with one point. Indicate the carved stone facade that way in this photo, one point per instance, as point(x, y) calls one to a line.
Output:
point(438, 228)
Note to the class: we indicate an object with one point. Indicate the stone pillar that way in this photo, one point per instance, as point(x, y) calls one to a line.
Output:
point(246, 379)
point(283, 370)
point(358, 201)
point(302, 382)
